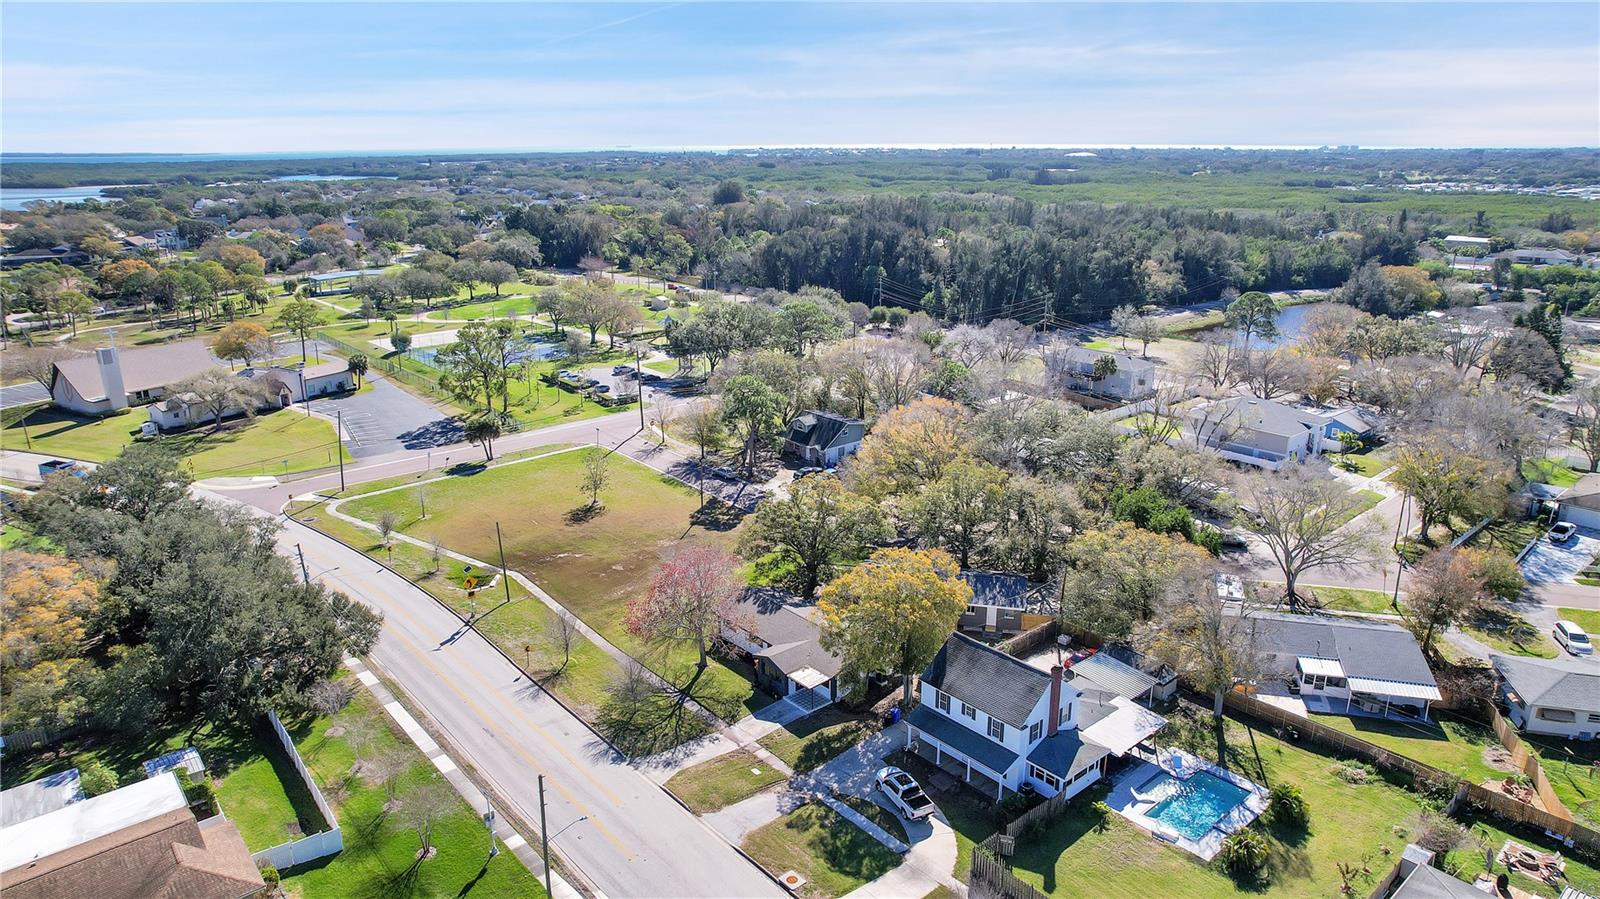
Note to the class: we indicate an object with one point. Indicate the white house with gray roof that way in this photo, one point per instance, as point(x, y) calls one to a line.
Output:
point(1074, 369)
point(1000, 723)
point(1346, 665)
point(782, 638)
point(1556, 697)
point(1269, 434)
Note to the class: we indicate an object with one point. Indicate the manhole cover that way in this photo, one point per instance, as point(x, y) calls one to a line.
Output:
point(792, 880)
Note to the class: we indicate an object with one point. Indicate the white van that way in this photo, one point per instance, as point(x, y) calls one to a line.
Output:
point(1572, 638)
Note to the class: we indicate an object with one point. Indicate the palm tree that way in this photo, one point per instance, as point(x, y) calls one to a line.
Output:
point(484, 429)
point(358, 366)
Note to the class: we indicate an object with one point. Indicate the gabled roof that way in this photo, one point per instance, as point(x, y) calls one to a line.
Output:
point(1557, 683)
point(1369, 650)
point(1584, 494)
point(1003, 687)
point(1081, 360)
point(820, 430)
point(1001, 589)
point(1266, 416)
point(143, 368)
point(790, 629)
point(1425, 882)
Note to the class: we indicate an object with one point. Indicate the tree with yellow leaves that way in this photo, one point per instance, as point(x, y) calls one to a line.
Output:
point(43, 603)
point(911, 446)
point(892, 612)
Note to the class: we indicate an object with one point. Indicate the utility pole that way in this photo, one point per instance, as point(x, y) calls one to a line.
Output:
point(303, 573)
point(504, 577)
point(638, 380)
point(338, 440)
point(544, 839)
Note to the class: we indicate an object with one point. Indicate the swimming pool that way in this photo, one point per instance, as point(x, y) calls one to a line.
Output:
point(1194, 805)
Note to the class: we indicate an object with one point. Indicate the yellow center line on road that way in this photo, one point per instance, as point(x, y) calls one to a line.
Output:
point(489, 723)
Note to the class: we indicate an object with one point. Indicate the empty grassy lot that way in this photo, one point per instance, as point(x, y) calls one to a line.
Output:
point(243, 447)
point(724, 780)
point(591, 564)
point(1448, 743)
point(833, 854)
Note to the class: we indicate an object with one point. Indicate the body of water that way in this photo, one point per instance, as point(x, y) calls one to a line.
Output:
point(525, 348)
point(1291, 321)
point(16, 198)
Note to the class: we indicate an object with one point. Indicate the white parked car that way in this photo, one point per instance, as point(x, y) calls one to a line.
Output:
point(1573, 639)
point(1562, 532)
point(903, 791)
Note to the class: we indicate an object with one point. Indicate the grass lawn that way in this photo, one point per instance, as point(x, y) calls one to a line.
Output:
point(1492, 833)
point(591, 564)
point(525, 626)
point(1369, 498)
point(1587, 619)
point(877, 814)
point(1506, 535)
point(1354, 599)
point(256, 784)
point(1573, 767)
point(380, 844)
point(243, 447)
point(1509, 632)
point(724, 780)
point(1554, 472)
point(1367, 464)
point(1348, 822)
point(833, 854)
point(818, 737)
point(670, 367)
point(1449, 744)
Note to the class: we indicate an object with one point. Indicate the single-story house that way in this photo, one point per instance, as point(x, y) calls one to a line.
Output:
point(1074, 369)
point(1462, 240)
point(338, 282)
point(1542, 256)
point(61, 253)
point(1557, 697)
point(1417, 878)
point(782, 637)
point(1348, 666)
point(133, 842)
point(823, 438)
point(293, 383)
point(139, 243)
point(1267, 433)
point(1006, 723)
point(113, 378)
point(1580, 504)
point(1002, 602)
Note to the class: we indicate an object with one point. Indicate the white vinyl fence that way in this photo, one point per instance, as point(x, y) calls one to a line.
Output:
point(312, 846)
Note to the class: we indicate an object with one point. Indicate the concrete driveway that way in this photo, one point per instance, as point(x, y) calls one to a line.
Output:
point(1560, 563)
point(387, 419)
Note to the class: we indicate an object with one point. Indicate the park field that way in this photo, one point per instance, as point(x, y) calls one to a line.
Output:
point(593, 564)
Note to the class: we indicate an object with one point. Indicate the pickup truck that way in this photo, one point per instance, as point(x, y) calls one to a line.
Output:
point(904, 793)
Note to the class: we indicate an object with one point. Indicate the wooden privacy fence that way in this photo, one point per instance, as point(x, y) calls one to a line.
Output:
point(991, 878)
point(1529, 764)
point(1032, 640)
point(1558, 820)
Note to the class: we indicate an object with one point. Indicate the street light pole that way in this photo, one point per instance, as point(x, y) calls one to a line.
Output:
point(488, 823)
point(638, 381)
point(544, 839)
point(504, 577)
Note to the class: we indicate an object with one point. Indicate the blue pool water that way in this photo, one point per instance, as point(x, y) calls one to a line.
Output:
point(1192, 806)
point(523, 349)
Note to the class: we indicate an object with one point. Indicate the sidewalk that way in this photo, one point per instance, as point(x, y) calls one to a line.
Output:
point(525, 852)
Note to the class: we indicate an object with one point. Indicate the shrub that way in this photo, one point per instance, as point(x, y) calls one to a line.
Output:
point(1501, 576)
point(270, 874)
point(1440, 833)
point(1244, 855)
point(1101, 814)
point(1354, 772)
point(96, 778)
point(1286, 805)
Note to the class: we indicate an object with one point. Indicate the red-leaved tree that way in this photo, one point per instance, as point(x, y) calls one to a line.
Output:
point(692, 598)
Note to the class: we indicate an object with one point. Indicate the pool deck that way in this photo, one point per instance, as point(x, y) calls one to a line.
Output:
point(1127, 800)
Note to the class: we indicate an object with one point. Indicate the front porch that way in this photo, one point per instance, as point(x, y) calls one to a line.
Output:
point(956, 766)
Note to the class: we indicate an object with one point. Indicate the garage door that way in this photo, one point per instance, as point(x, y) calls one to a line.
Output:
point(1578, 515)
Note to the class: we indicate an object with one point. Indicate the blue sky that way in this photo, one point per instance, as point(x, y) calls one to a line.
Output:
point(258, 77)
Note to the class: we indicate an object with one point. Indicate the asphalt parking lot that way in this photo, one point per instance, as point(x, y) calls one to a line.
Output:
point(1560, 562)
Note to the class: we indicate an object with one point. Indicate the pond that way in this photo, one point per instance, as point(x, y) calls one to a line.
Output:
point(523, 349)
point(1291, 322)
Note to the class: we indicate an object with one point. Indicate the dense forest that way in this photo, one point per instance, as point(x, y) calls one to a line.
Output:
point(1038, 236)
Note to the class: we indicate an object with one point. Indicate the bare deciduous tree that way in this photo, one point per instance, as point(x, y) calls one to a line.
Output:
point(424, 807)
point(896, 369)
point(1305, 519)
point(559, 638)
point(1586, 422)
point(1216, 361)
point(1207, 640)
point(1447, 589)
point(1273, 373)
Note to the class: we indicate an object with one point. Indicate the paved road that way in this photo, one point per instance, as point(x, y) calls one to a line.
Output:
point(622, 832)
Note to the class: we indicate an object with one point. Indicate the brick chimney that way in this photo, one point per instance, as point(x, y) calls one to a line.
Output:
point(1055, 701)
